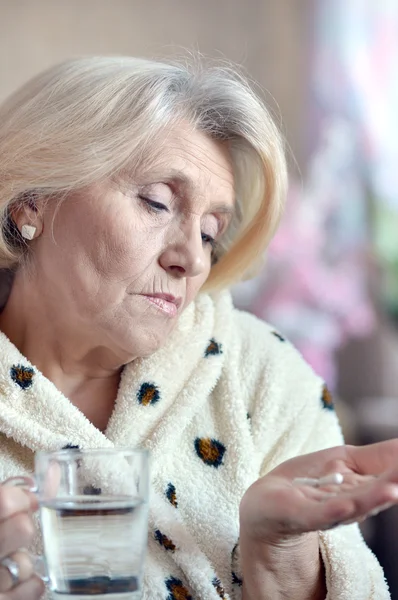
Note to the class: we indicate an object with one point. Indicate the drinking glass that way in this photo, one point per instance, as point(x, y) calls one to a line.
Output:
point(93, 507)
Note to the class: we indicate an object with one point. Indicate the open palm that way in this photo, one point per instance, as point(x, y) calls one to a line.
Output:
point(276, 508)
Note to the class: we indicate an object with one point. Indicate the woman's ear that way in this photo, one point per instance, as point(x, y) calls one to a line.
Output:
point(27, 216)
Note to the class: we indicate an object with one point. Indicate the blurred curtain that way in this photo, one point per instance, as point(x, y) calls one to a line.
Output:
point(314, 286)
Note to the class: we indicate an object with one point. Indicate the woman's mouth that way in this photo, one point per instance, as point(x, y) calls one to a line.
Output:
point(167, 303)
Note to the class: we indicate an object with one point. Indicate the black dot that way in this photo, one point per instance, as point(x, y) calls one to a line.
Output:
point(171, 495)
point(22, 376)
point(236, 580)
point(164, 541)
point(213, 348)
point(148, 394)
point(327, 398)
point(177, 589)
point(210, 451)
point(279, 336)
point(219, 588)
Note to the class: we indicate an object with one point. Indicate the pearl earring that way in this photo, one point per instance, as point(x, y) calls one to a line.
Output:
point(28, 232)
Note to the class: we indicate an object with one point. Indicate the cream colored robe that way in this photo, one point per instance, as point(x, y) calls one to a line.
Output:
point(226, 400)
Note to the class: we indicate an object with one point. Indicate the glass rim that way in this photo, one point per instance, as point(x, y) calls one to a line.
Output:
point(65, 452)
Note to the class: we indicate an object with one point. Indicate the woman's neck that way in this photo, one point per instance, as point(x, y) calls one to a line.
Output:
point(87, 375)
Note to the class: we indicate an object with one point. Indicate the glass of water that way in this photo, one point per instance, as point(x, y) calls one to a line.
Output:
point(94, 521)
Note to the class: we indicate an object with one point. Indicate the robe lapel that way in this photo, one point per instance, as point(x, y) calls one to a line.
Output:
point(158, 399)
point(34, 412)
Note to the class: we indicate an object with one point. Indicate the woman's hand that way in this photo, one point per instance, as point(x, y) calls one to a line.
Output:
point(16, 531)
point(274, 509)
point(280, 519)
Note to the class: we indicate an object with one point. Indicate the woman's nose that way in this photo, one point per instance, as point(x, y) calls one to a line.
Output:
point(185, 256)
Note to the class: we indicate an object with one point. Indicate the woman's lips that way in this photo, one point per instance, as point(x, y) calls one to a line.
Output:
point(166, 303)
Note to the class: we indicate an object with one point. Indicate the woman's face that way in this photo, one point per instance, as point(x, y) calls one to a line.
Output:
point(120, 262)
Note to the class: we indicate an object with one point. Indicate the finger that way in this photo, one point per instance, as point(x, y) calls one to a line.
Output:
point(33, 500)
point(14, 500)
point(16, 532)
point(373, 459)
point(355, 505)
point(390, 476)
point(33, 589)
point(25, 571)
point(350, 483)
point(314, 509)
point(323, 493)
point(52, 480)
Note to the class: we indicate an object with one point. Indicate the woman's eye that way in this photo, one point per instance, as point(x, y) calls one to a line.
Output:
point(207, 239)
point(153, 205)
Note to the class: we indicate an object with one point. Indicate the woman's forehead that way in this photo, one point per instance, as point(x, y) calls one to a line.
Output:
point(192, 162)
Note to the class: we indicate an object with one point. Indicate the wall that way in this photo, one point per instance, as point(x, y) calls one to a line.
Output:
point(266, 36)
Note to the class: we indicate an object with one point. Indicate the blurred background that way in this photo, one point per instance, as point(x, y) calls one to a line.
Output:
point(329, 72)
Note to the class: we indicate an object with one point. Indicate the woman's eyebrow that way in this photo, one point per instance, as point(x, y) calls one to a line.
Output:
point(179, 179)
point(226, 209)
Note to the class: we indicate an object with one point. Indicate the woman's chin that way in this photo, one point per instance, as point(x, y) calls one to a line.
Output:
point(144, 344)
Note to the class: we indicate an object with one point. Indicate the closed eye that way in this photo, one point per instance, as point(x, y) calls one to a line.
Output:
point(207, 239)
point(157, 207)
point(153, 205)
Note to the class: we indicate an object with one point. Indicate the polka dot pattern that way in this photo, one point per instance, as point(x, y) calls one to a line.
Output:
point(148, 394)
point(210, 451)
point(213, 348)
point(22, 376)
point(219, 588)
point(236, 580)
point(164, 541)
point(177, 590)
point(171, 495)
point(279, 336)
point(327, 399)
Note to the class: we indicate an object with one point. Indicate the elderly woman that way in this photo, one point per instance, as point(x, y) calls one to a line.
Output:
point(132, 194)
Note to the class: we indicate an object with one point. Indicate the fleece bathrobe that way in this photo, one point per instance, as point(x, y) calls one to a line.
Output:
point(222, 403)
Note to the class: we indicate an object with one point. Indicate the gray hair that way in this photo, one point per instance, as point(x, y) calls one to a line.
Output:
point(88, 119)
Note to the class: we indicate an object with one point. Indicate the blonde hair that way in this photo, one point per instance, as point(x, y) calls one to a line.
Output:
point(90, 118)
